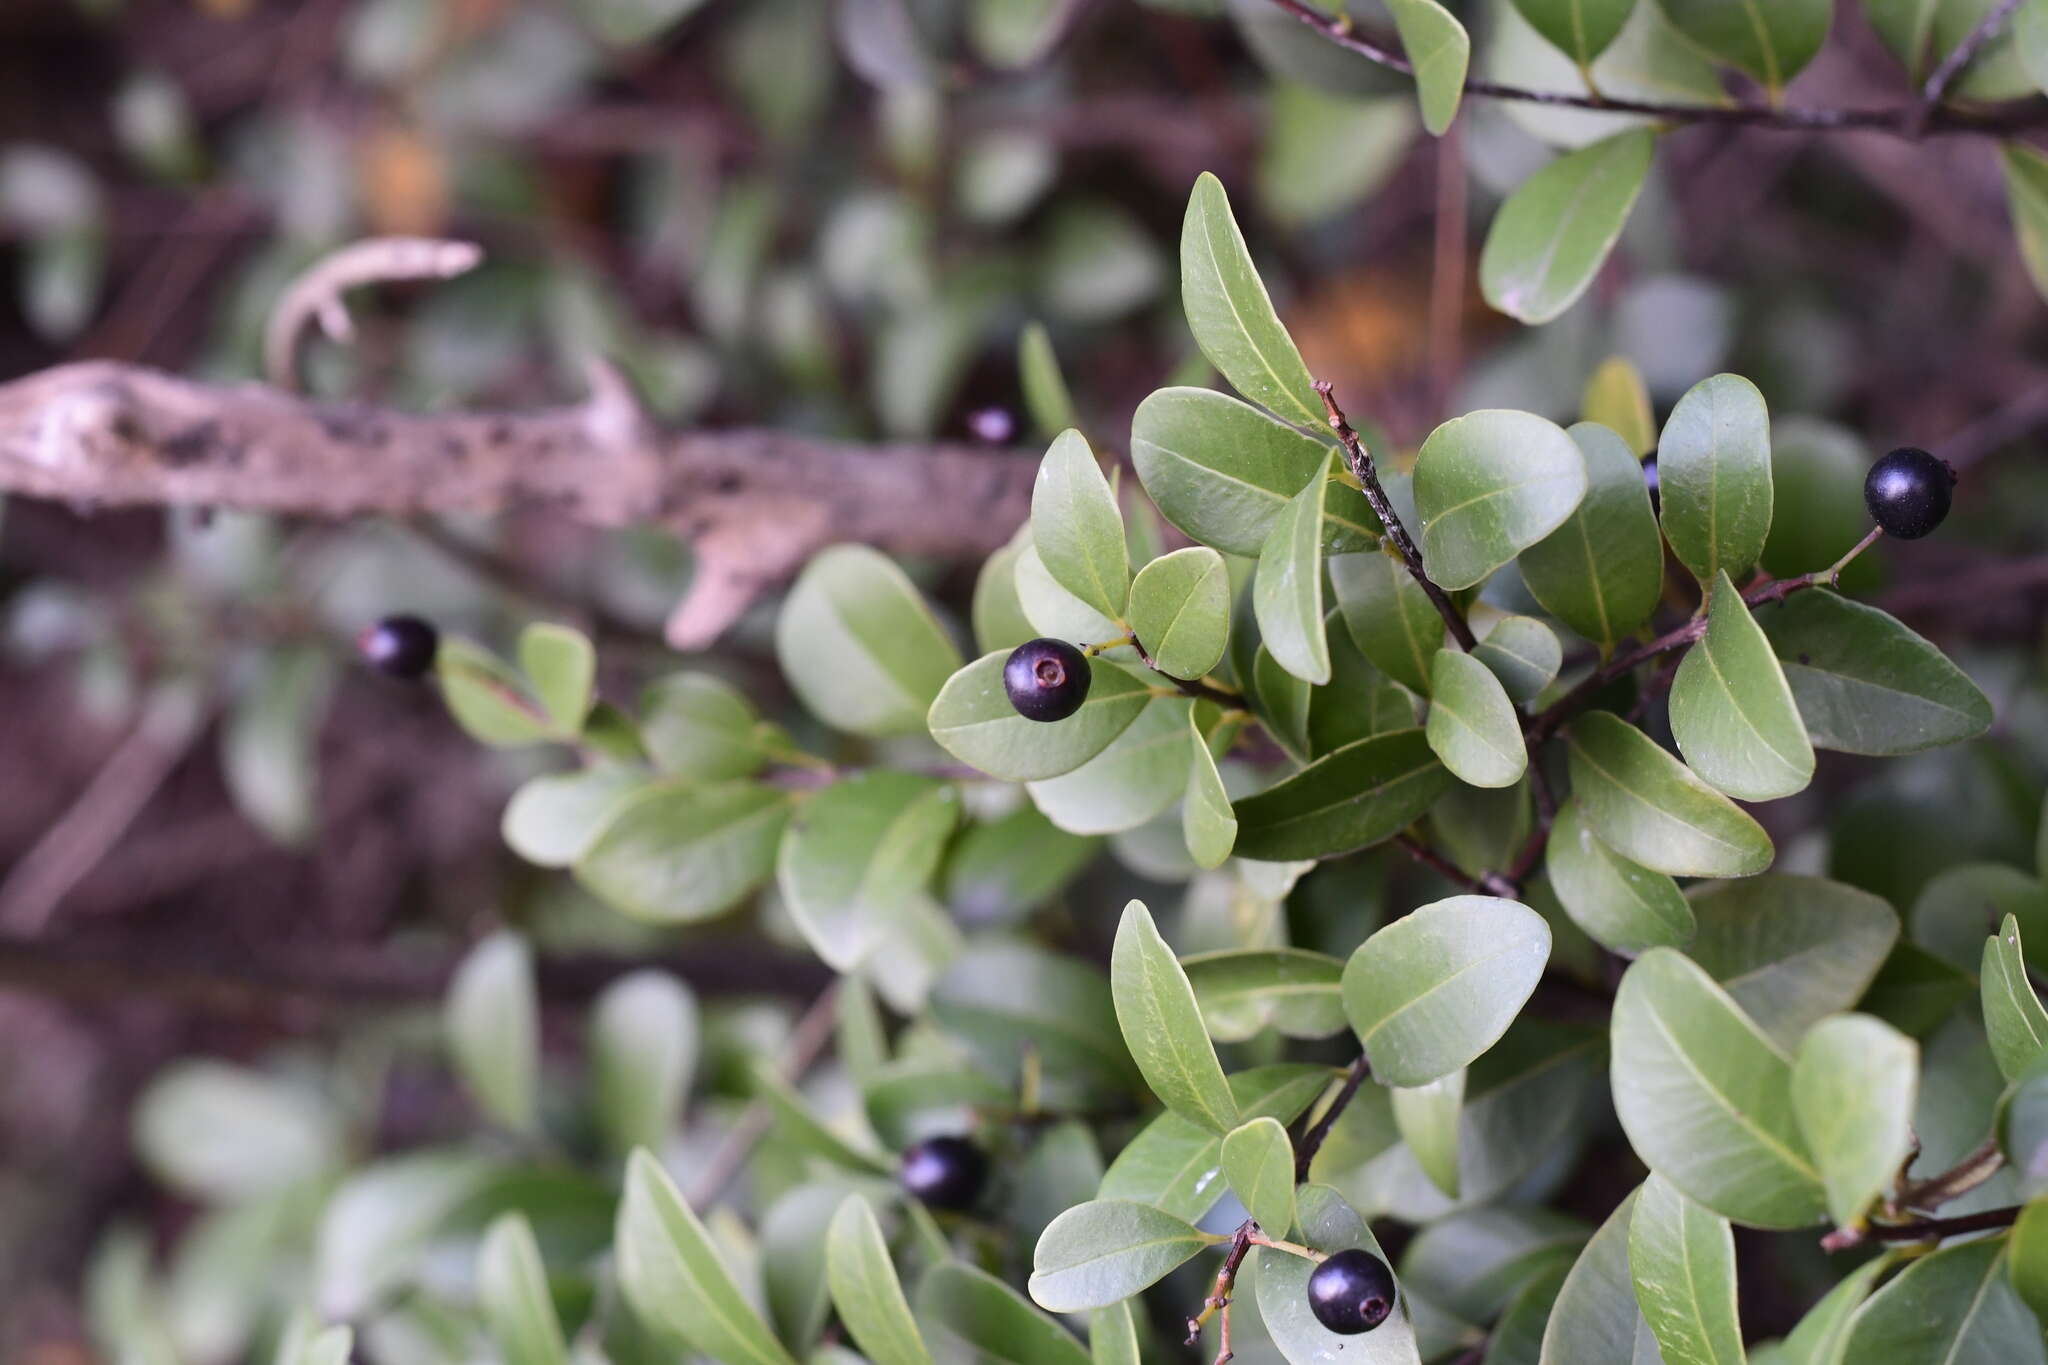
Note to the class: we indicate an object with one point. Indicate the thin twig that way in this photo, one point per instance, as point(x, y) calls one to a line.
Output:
point(1360, 461)
point(1921, 1230)
point(1959, 59)
point(317, 294)
point(1319, 1132)
point(1902, 121)
point(806, 1041)
point(1488, 883)
point(1447, 269)
point(1980, 1165)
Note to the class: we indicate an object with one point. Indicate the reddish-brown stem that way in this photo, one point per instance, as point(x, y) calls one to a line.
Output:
point(1921, 1230)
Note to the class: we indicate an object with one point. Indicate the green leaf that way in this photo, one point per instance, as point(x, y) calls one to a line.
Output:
point(1434, 989)
point(789, 1246)
point(2026, 191)
point(2027, 1256)
point(2013, 1017)
point(1287, 595)
point(333, 1346)
point(1102, 1252)
point(1596, 1320)
point(1208, 824)
point(1004, 999)
point(855, 852)
point(552, 819)
point(1616, 396)
point(1388, 616)
point(1439, 49)
point(226, 1135)
point(1471, 1263)
point(1051, 609)
point(1134, 779)
point(1714, 473)
point(1489, 485)
point(643, 1040)
point(1180, 611)
point(1113, 1336)
point(1706, 1098)
point(1219, 469)
point(1231, 315)
point(1772, 42)
point(700, 726)
point(1581, 29)
point(1682, 1260)
point(562, 667)
point(866, 1291)
point(1282, 702)
point(1359, 702)
point(1867, 685)
point(1427, 1117)
point(1602, 571)
point(682, 853)
point(486, 697)
point(1350, 798)
point(969, 1315)
point(859, 646)
point(492, 1024)
point(1791, 950)
point(1818, 1338)
point(1045, 388)
point(1077, 528)
point(671, 1273)
point(1961, 904)
point(1174, 1164)
point(1651, 809)
point(1624, 906)
point(1162, 1025)
point(1952, 1307)
point(998, 608)
point(1258, 1160)
point(1281, 1286)
point(1472, 725)
point(380, 1220)
point(1915, 991)
point(512, 1291)
point(1523, 653)
point(1244, 991)
point(1853, 1089)
point(1554, 232)
point(973, 720)
point(1732, 711)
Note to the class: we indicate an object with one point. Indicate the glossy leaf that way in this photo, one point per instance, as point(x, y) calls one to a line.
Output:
point(1818, 1338)
point(1176, 1165)
point(673, 1276)
point(1624, 906)
point(1581, 29)
point(1287, 594)
point(1864, 683)
point(1436, 988)
point(1077, 528)
point(1472, 724)
point(682, 853)
point(1180, 611)
point(1652, 809)
point(1113, 1336)
point(562, 667)
point(859, 646)
point(696, 725)
point(967, 1314)
point(1162, 1025)
point(1258, 1160)
point(1523, 653)
point(2027, 1256)
point(1051, 609)
point(855, 851)
point(1231, 315)
point(2013, 1016)
point(973, 720)
point(1208, 823)
point(1853, 1089)
point(1244, 991)
point(1329, 1225)
point(1732, 711)
point(866, 1291)
point(1219, 469)
point(1439, 50)
point(1772, 42)
point(1602, 571)
point(1682, 1260)
point(1555, 231)
point(1359, 702)
point(1104, 1251)
point(1139, 775)
point(1954, 1307)
point(1791, 950)
point(1714, 473)
point(492, 1023)
point(1489, 485)
point(1706, 1098)
point(1427, 1117)
point(1044, 387)
point(997, 610)
point(1350, 798)
point(1596, 1320)
point(487, 697)
point(1388, 616)
point(1001, 999)
point(512, 1291)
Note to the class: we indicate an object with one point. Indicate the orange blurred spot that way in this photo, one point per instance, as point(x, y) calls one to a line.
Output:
point(404, 181)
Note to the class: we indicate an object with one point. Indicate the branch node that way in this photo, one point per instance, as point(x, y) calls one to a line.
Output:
point(316, 295)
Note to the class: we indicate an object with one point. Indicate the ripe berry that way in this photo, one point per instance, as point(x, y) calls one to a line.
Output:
point(993, 425)
point(944, 1172)
point(1046, 679)
point(402, 646)
point(1908, 492)
point(1351, 1292)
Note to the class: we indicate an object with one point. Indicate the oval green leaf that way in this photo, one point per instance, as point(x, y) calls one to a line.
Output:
point(1128, 783)
point(681, 853)
point(967, 1314)
point(1388, 616)
point(1218, 468)
point(1853, 1090)
point(1624, 906)
point(1581, 29)
point(1162, 1025)
point(1077, 528)
point(1791, 950)
point(1350, 798)
point(1602, 571)
point(1231, 314)
point(1681, 1258)
point(1208, 825)
point(1954, 1306)
point(1553, 234)
point(1104, 1251)
point(973, 720)
point(1427, 1117)
point(2013, 1017)
point(855, 852)
point(1180, 611)
point(859, 646)
point(512, 1291)
point(492, 1023)
point(643, 1042)
point(1287, 594)
point(1244, 991)
point(1714, 477)
point(1472, 725)
point(1258, 1161)
point(1440, 51)
point(1489, 485)
point(1772, 42)
point(1732, 711)
point(1652, 809)
point(866, 1291)
point(1523, 653)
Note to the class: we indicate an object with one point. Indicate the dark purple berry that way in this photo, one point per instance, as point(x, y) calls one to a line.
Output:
point(1046, 679)
point(993, 425)
point(1351, 1292)
point(944, 1172)
point(402, 646)
point(1908, 492)
point(1650, 479)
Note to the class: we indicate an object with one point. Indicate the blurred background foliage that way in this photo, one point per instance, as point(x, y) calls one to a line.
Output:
point(219, 842)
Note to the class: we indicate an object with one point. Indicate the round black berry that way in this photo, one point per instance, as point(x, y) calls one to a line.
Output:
point(1351, 1292)
point(1046, 679)
point(1908, 492)
point(944, 1172)
point(402, 646)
